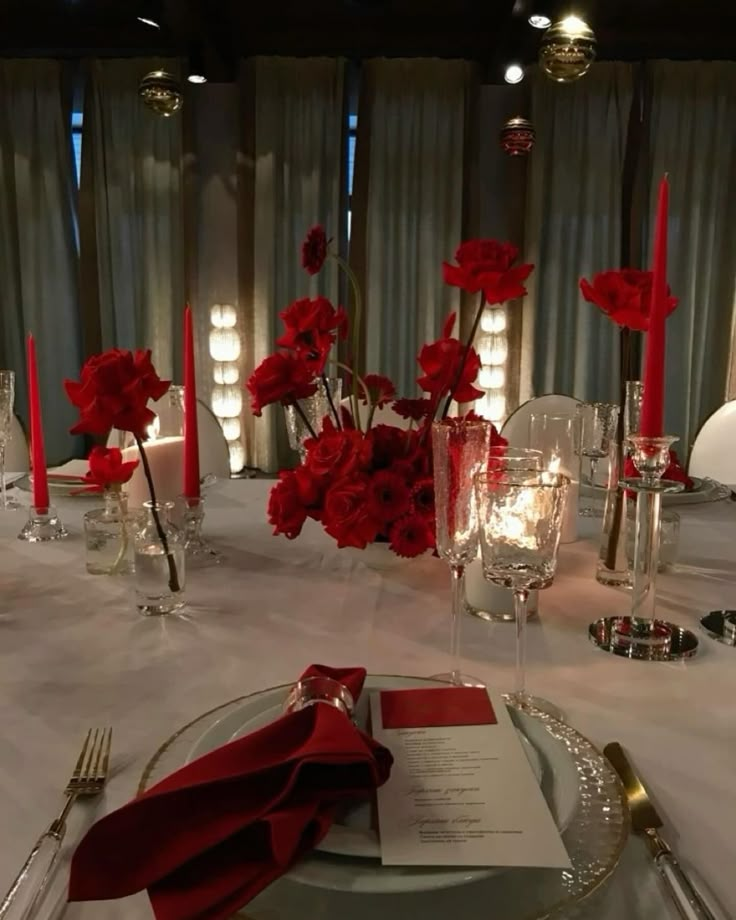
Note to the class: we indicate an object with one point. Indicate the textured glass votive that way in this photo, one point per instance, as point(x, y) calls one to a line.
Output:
point(314, 690)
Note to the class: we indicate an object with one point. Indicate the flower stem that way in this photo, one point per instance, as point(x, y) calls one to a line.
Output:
point(618, 512)
point(355, 339)
point(354, 405)
point(328, 394)
point(466, 352)
point(173, 575)
point(303, 417)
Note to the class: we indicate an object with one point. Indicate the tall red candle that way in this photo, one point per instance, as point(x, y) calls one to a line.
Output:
point(191, 437)
point(38, 454)
point(652, 406)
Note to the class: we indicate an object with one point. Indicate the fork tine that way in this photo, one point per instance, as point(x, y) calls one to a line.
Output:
point(101, 773)
point(78, 768)
point(87, 771)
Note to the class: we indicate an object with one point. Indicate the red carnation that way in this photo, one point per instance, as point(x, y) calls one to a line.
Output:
point(286, 507)
point(411, 536)
point(311, 326)
point(280, 378)
point(414, 409)
point(346, 516)
point(380, 390)
point(314, 250)
point(625, 296)
point(106, 469)
point(335, 453)
point(487, 265)
point(388, 496)
point(422, 498)
point(441, 361)
point(113, 392)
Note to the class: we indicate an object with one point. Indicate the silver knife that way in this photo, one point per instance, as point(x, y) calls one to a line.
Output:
point(646, 822)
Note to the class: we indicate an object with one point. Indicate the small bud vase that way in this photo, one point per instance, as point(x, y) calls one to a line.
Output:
point(160, 573)
point(109, 535)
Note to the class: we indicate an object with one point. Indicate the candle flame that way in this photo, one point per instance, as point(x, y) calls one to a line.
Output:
point(154, 429)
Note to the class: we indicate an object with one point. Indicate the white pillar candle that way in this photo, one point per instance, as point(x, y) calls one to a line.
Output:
point(166, 460)
point(489, 598)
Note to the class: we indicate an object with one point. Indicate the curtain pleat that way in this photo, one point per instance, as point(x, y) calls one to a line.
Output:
point(693, 138)
point(132, 161)
point(573, 230)
point(38, 248)
point(408, 204)
point(292, 174)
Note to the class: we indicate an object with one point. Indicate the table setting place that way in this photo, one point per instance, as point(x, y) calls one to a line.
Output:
point(238, 724)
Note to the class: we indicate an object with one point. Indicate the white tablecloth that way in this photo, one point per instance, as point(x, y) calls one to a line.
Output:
point(75, 653)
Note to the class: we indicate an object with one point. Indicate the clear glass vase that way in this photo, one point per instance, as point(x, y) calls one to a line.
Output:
point(160, 574)
point(110, 534)
point(613, 565)
point(325, 402)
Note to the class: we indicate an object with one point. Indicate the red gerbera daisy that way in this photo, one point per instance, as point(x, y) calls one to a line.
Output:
point(388, 496)
point(422, 498)
point(410, 536)
point(414, 409)
point(380, 390)
point(314, 250)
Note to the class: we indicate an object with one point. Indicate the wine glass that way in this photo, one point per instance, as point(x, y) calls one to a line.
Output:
point(7, 400)
point(460, 449)
point(597, 430)
point(520, 523)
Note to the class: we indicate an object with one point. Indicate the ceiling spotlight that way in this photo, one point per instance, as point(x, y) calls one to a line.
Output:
point(197, 72)
point(148, 22)
point(514, 73)
point(567, 49)
point(149, 13)
point(540, 21)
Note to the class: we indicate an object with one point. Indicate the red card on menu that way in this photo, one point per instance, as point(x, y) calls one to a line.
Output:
point(436, 706)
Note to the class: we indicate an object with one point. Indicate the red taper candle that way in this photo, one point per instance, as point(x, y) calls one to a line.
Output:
point(191, 437)
point(652, 406)
point(38, 454)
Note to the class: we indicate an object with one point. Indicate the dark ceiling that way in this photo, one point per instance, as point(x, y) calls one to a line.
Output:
point(490, 31)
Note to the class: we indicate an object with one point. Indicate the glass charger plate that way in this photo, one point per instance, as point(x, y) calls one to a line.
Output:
point(704, 490)
point(595, 839)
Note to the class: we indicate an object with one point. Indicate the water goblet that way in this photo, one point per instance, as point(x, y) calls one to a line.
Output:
point(520, 524)
point(7, 401)
point(597, 430)
point(459, 450)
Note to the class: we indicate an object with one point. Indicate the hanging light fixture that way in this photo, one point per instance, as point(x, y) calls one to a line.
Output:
point(161, 92)
point(517, 137)
point(514, 73)
point(567, 49)
point(539, 21)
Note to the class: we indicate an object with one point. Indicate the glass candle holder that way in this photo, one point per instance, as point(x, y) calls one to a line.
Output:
point(313, 690)
point(669, 544)
point(160, 568)
point(43, 525)
point(191, 518)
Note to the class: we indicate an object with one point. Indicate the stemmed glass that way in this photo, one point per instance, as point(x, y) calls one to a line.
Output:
point(520, 522)
point(597, 430)
point(459, 451)
point(7, 400)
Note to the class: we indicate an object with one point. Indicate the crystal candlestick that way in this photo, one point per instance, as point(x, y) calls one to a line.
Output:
point(43, 525)
point(198, 550)
point(641, 635)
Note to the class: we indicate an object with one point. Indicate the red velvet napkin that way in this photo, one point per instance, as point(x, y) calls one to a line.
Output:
point(206, 839)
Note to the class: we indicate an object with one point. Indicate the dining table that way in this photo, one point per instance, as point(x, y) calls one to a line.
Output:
point(75, 653)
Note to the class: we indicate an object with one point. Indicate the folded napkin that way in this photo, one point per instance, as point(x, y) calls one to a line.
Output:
point(206, 839)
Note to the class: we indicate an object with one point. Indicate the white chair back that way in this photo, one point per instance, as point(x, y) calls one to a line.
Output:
point(714, 450)
point(17, 459)
point(516, 426)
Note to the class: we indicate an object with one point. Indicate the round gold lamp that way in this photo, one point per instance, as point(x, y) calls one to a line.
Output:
point(161, 92)
point(567, 49)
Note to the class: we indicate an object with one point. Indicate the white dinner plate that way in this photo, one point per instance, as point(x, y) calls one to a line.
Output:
point(355, 845)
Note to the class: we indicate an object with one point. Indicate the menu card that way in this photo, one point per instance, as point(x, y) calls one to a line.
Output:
point(462, 791)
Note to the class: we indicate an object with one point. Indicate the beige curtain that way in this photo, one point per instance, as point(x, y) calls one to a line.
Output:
point(290, 177)
point(408, 204)
point(132, 230)
point(573, 230)
point(693, 138)
point(38, 250)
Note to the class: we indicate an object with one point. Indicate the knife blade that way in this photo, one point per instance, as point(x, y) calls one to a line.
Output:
point(645, 821)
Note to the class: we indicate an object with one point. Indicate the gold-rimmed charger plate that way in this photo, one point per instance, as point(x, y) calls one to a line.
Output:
point(594, 839)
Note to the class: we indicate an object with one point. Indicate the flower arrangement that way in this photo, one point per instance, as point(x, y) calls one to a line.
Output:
point(107, 472)
point(364, 481)
point(113, 391)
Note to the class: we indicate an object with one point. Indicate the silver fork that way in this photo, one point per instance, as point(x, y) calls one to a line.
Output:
point(26, 893)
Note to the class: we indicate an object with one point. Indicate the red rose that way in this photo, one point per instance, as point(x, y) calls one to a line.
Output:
point(337, 453)
point(106, 468)
point(388, 496)
point(414, 409)
point(314, 250)
point(411, 535)
point(286, 508)
point(346, 516)
point(280, 378)
point(487, 265)
point(625, 296)
point(311, 327)
point(380, 390)
point(441, 361)
point(113, 392)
